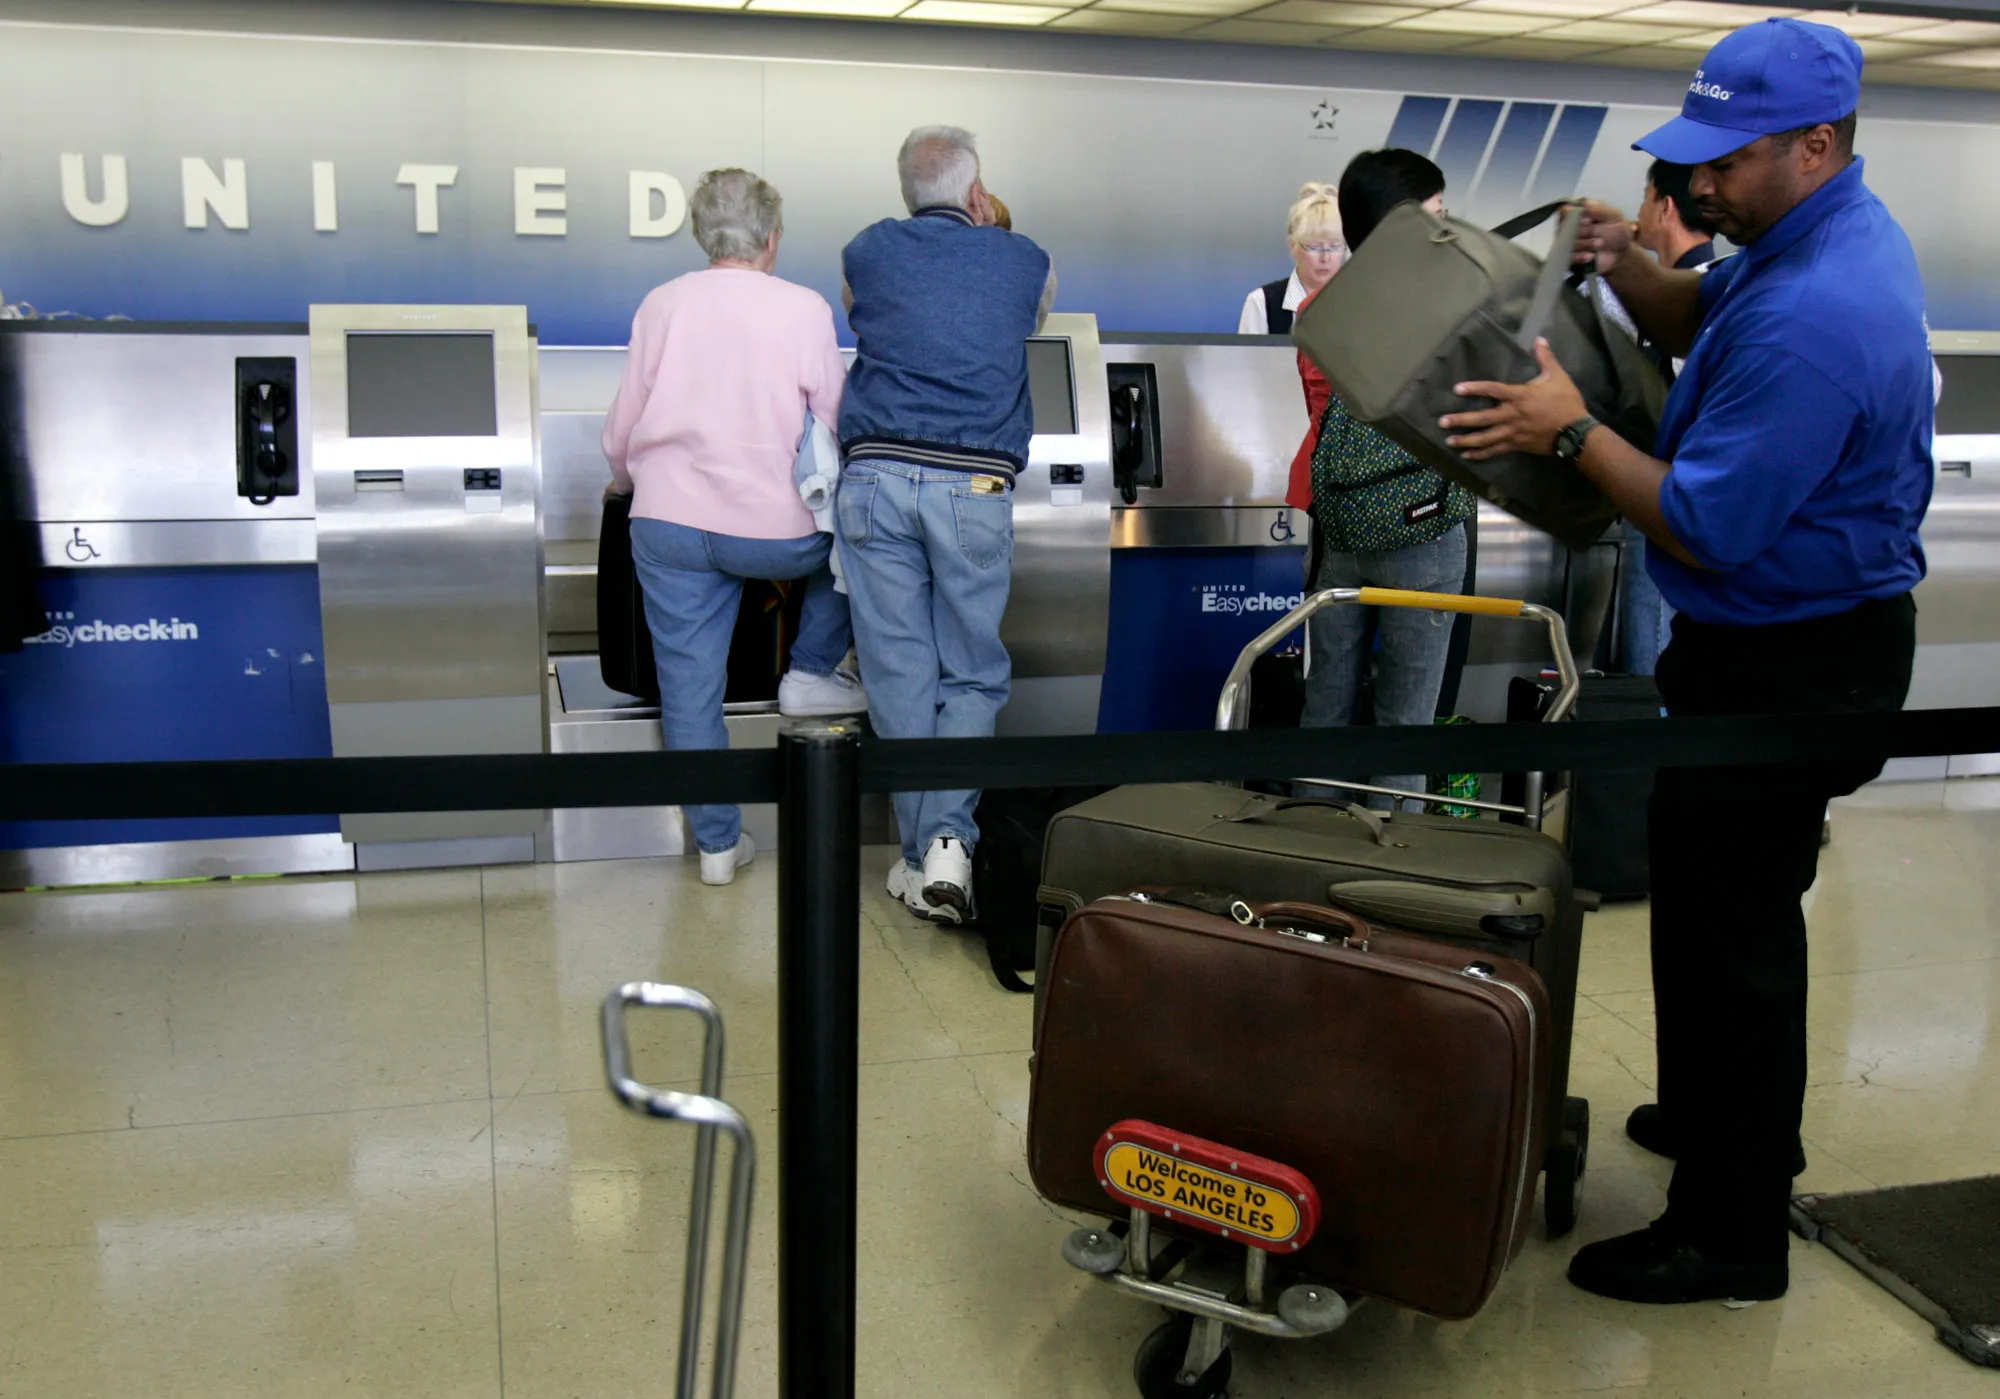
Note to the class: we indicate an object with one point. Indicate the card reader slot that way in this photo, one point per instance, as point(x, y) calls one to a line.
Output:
point(381, 480)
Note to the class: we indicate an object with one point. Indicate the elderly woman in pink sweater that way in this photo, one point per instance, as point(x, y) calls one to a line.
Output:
point(723, 367)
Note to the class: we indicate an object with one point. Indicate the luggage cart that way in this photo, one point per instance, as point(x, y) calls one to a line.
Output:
point(710, 1115)
point(1236, 1281)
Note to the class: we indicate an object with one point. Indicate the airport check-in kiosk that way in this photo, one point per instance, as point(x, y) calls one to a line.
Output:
point(425, 441)
point(1958, 626)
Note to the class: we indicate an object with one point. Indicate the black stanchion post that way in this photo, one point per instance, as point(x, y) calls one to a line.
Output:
point(819, 991)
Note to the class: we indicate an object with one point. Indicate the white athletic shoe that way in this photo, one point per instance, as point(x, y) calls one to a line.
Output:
point(802, 696)
point(906, 884)
point(948, 878)
point(721, 867)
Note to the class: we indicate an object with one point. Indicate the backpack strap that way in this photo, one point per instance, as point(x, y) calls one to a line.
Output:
point(1549, 285)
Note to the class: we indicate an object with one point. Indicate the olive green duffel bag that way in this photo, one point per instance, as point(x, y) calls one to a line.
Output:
point(1428, 302)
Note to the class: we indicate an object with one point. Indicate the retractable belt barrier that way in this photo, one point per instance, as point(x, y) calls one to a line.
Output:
point(309, 786)
point(817, 775)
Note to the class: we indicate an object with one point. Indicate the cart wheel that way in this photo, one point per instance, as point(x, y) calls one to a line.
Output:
point(1562, 1195)
point(1157, 1368)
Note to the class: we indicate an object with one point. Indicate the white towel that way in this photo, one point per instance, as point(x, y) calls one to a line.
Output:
point(816, 470)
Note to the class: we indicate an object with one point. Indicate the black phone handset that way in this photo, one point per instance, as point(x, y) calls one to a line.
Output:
point(1128, 441)
point(268, 405)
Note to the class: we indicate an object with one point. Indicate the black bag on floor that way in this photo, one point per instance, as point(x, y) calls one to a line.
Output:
point(1607, 806)
point(1007, 869)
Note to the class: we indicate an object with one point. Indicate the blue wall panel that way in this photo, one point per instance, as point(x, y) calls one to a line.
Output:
point(157, 664)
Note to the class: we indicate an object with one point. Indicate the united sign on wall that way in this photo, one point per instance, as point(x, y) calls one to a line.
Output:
point(167, 175)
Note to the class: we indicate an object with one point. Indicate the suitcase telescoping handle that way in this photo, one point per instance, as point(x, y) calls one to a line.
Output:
point(1232, 709)
point(710, 1115)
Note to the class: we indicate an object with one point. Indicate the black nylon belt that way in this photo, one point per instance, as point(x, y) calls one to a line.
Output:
point(308, 786)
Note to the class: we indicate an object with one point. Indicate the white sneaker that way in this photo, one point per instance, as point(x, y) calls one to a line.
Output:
point(948, 878)
point(906, 886)
point(802, 696)
point(721, 867)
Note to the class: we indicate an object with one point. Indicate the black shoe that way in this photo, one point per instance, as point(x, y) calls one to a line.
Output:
point(1656, 1266)
point(1648, 1127)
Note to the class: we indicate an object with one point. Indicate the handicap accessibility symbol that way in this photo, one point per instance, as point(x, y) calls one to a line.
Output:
point(1281, 528)
point(79, 549)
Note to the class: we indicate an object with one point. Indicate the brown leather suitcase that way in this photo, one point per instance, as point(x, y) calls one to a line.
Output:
point(1402, 1076)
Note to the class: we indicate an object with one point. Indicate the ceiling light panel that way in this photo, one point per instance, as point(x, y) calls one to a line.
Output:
point(1260, 31)
point(1866, 26)
point(1481, 25)
point(1207, 9)
point(1536, 47)
point(680, 4)
point(1337, 12)
point(1125, 22)
point(1401, 41)
point(1959, 32)
point(1965, 58)
point(1704, 14)
point(982, 12)
point(1616, 31)
point(1552, 9)
point(852, 9)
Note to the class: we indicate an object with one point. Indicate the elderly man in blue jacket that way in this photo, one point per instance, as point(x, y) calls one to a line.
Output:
point(1781, 502)
point(934, 426)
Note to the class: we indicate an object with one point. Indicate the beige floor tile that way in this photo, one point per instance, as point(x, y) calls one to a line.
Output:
point(1922, 1108)
point(560, 936)
point(1906, 888)
point(1616, 952)
point(215, 1002)
point(961, 1285)
point(338, 1254)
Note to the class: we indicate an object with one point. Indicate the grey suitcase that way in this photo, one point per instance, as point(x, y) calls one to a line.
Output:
point(1484, 885)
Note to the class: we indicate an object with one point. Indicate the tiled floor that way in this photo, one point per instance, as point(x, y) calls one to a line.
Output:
point(349, 1136)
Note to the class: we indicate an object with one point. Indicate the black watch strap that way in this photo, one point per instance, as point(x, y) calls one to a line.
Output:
point(1569, 442)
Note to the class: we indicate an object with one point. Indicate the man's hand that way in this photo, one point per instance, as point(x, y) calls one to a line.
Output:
point(1603, 236)
point(1524, 418)
point(614, 490)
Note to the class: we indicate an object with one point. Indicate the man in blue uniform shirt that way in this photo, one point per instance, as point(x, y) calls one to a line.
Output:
point(1793, 470)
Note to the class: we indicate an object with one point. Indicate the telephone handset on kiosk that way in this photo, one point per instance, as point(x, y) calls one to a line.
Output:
point(267, 430)
point(1135, 429)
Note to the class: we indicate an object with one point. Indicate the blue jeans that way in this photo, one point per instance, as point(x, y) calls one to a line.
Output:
point(1645, 619)
point(693, 584)
point(1410, 670)
point(927, 561)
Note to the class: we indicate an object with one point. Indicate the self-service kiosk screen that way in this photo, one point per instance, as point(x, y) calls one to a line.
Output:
point(1971, 400)
point(429, 385)
point(1050, 386)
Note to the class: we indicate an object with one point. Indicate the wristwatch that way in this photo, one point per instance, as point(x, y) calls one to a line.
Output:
point(1569, 442)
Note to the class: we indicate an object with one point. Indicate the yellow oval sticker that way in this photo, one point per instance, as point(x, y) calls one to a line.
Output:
point(1170, 1186)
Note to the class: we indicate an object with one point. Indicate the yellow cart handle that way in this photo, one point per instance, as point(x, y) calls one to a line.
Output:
point(1441, 602)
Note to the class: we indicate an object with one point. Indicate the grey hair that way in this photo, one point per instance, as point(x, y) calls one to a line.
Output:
point(735, 213)
point(937, 165)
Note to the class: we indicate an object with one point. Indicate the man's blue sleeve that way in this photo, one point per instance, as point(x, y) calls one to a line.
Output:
point(1769, 430)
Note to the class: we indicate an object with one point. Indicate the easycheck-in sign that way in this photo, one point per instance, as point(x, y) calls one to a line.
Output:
point(68, 632)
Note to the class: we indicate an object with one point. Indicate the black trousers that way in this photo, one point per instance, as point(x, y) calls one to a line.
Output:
point(1733, 852)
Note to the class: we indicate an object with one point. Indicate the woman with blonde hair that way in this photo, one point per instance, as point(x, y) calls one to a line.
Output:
point(1312, 230)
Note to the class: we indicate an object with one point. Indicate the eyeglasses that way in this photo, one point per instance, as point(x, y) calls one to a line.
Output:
point(1323, 249)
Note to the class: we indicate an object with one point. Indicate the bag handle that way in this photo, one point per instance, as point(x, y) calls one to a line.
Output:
point(1337, 923)
point(1375, 821)
point(1548, 286)
point(1534, 218)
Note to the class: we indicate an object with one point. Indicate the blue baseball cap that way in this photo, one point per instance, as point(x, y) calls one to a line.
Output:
point(1765, 78)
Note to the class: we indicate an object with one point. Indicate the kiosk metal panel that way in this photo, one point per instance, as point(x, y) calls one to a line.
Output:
point(430, 553)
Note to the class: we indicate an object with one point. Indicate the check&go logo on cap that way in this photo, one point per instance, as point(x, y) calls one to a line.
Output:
point(1765, 78)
